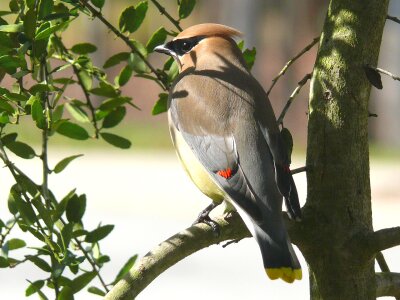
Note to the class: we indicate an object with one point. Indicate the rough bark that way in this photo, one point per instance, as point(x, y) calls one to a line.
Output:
point(338, 211)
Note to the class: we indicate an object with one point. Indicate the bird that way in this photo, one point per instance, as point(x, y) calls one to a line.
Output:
point(227, 138)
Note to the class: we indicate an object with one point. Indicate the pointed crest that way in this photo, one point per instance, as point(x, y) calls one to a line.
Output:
point(209, 29)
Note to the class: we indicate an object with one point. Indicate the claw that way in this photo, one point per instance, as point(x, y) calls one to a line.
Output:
point(205, 218)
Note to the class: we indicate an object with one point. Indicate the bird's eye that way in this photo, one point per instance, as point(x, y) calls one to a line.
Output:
point(186, 46)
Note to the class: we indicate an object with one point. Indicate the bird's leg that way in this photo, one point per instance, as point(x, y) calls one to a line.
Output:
point(205, 218)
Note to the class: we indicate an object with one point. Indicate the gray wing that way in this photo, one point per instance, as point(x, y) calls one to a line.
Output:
point(219, 157)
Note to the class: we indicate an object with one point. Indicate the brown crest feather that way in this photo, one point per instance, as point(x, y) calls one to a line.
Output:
point(209, 29)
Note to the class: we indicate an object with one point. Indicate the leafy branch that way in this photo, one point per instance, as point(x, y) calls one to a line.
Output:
point(97, 14)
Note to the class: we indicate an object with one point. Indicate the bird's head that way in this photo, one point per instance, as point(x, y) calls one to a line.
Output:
point(198, 41)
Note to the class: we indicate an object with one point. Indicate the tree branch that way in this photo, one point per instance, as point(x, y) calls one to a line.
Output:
point(290, 62)
point(126, 39)
point(387, 284)
point(382, 71)
point(166, 14)
point(292, 96)
point(173, 250)
point(394, 19)
point(384, 239)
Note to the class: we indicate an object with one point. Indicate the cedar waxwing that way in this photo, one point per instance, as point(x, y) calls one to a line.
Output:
point(227, 138)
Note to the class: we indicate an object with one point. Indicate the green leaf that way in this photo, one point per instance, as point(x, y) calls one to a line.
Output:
point(86, 79)
point(125, 75)
point(98, 3)
point(34, 287)
point(185, 8)
point(21, 149)
point(45, 8)
point(27, 184)
point(110, 104)
point(37, 113)
point(66, 294)
point(173, 71)
point(99, 233)
point(156, 39)
point(64, 163)
point(40, 263)
point(4, 262)
point(44, 213)
point(78, 113)
point(30, 23)
point(114, 117)
point(12, 206)
point(15, 244)
point(96, 291)
point(4, 118)
point(103, 259)
point(26, 211)
point(14, 5)
point(116, 140)
point(116, 59)
point(250, 56)
point(241, 45)
point(12, 28)
point(10, 63)
point(5, 106)
point(125, 269)
point(76, 207)
point(81, 281)
point(83, 48)
point(44, 34)
point(132, 17)
point(9, 138)
point(137, 64)
point(66, 234)
point(161, 104)
point(39, 88)
point(30, 3)
point(62, 205)
point(72, 131)
point(106, 90)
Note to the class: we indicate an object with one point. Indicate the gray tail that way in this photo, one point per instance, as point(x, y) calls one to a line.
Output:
point(279, 258)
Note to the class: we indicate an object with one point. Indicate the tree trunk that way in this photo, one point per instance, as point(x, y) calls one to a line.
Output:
point(338, 210)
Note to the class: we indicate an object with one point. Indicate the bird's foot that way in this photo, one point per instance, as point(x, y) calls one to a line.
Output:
point(205, 218)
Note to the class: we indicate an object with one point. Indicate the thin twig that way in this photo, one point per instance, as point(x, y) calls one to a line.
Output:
point(394, 19)
point(45, 138)
point(299, 170)
point(92, 263)
point(84, 90)
point(380, 259)
point(166, 14)
point(290, 62)
point(395, 77)
point(7, 232)
point(126, 39)
point(292, 96)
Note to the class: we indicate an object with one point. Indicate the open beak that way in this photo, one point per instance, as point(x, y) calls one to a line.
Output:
point(162, 49)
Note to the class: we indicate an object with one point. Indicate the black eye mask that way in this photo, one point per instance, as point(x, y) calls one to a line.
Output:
point(182, 46)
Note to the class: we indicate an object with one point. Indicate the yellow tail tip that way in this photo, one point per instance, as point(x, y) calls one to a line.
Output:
point(286, 274)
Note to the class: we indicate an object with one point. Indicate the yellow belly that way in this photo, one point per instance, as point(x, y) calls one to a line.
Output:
point(194, 168)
